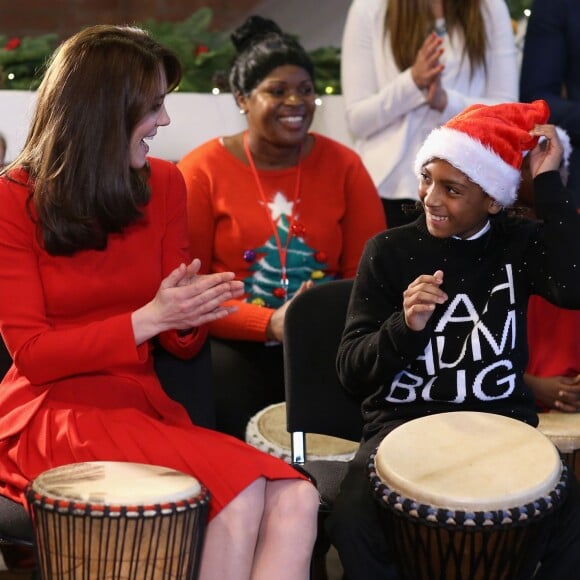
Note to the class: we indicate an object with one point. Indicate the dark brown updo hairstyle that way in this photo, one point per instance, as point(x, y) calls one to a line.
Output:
point(261, 46)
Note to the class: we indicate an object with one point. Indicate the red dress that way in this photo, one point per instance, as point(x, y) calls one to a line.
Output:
point(80, 389)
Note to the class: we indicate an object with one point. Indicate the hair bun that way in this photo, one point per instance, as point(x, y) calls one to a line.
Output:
point(254, 29)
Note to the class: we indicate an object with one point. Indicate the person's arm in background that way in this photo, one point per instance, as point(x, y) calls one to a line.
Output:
point(553, 369)
point(501, 62)
point(369, 106)
point(559, 392)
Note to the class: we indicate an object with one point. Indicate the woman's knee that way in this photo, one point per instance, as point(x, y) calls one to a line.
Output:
point(292, 498)
point(247, 506)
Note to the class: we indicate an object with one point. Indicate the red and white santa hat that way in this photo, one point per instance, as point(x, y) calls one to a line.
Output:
point(487, 143)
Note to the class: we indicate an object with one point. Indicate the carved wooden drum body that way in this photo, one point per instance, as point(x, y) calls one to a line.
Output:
point(115, 520)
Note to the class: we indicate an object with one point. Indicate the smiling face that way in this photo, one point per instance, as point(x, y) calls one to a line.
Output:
point(454, 205)
point(146, 128)
point(281, 107)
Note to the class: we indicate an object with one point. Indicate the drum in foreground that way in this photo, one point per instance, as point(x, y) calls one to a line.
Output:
point(266, 431)
point(465, 494)
point(563, 430)
point(115, 520)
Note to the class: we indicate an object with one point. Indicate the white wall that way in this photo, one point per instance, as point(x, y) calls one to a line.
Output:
point(195, 118)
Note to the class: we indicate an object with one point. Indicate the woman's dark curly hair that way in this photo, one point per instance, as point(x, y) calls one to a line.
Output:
point(261, 47)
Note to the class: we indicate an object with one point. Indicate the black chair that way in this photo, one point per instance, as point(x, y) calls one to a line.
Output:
point(316, 402)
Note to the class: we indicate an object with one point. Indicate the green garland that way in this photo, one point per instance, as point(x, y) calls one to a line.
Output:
point(22, 60)
point(206, 56)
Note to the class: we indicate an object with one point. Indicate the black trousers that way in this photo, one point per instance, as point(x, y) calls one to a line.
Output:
point(246, 377)
point(356, 529)
point(188, 382)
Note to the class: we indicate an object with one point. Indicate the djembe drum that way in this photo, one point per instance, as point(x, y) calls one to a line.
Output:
point(115, 520)
point(563, 430)
point(266, 431)
point(465, 494)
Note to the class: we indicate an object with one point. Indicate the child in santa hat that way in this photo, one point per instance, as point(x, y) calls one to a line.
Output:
point(437, 318)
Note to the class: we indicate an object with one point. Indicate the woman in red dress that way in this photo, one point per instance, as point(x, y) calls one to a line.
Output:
point(94, 253)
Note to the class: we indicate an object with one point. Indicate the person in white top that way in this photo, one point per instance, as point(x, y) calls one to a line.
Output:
point(407, 66)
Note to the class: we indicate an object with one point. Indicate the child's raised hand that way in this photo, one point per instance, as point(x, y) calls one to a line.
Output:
point(420, 299)
point(547, 155)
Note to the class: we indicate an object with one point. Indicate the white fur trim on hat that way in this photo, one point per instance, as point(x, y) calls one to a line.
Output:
point(481, 164)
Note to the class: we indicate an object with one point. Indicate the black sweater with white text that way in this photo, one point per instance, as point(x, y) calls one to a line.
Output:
point(473, 352)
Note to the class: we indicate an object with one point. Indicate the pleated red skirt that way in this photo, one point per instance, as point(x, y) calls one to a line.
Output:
point(61, 432)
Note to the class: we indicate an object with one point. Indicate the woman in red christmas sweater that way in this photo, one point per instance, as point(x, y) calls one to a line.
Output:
point(281, 207)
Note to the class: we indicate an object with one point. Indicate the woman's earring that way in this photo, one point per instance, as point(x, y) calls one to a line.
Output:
point(243, 111)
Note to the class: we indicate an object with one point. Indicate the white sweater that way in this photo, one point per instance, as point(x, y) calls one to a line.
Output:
point(388, 115)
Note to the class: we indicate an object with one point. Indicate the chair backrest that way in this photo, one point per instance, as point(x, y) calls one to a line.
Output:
point(316, 402)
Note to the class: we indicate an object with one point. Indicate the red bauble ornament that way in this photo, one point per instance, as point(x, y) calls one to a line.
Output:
point(298, 229)
point(279, 293)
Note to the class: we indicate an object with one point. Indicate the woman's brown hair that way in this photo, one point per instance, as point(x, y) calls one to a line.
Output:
point(408, 23)
point(99, 84)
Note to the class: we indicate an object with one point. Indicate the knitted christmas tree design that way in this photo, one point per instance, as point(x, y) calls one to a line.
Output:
point(264, 285)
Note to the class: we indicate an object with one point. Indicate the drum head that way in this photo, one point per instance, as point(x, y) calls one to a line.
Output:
point(563, 429)
point(116, 483)
point(468, 461)
point(267, 431)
